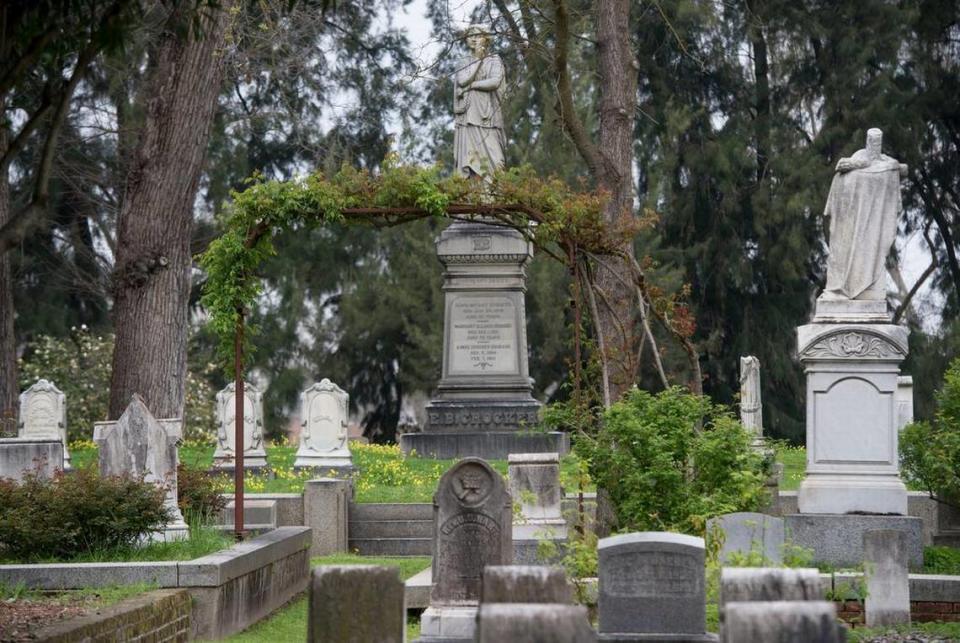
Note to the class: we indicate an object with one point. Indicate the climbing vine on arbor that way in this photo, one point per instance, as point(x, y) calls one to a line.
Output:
point(565, 223)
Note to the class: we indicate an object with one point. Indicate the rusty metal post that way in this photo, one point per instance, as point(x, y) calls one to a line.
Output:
point(238, 429)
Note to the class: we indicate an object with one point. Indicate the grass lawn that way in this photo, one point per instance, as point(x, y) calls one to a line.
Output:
point(384, 473)
point(794, 460)
point(290, 622)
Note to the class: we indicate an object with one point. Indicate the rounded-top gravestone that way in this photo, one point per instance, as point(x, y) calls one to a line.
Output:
point(472, 520)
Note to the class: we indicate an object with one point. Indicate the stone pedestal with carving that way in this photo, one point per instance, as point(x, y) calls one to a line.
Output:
point(323, 434)
point(43, 415)
point(852, 426)
point(483, 404)
point(254, 454)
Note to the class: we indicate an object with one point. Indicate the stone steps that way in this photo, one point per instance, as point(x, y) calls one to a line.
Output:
point(390, 511)
point(390, 546)
point(391, 529)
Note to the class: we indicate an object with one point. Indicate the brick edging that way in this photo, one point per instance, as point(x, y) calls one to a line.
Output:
point(158, 615)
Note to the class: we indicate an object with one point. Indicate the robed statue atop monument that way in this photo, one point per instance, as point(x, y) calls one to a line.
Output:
point(863, 205)
point(478, 138)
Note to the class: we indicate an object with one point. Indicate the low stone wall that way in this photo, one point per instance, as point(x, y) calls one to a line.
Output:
point(159, 616)
point(851, 612)
point(237, 587)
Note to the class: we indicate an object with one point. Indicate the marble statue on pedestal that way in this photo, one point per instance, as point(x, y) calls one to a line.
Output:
point(863, 205)
point(478, 138)
point(851, 355)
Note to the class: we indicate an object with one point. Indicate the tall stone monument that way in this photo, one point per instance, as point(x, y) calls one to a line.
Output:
point(323, 433)
point(483, 403)
point(43, 415)
point(138, 444)
point(472, 512)
point(851, 353)
point(254, 454)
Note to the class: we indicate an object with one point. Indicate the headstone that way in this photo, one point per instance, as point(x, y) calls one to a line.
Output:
point(323, 434)
point(885, 572)
point(525, 584)
point(782, 622)
point(749, 532)
point(356, 604)
point(535, 486)
point(533, 623)
point(744, 584)
point(851, 352)
point(43, 415)
point(483, 404)
point(751, 408)
point(140, 445)
point(472, 513)
point(22, 455)
point(254, 454)
point(652, 584)
point(904, 401)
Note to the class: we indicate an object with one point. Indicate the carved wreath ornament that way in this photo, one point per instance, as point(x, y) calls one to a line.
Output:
point(852, 344)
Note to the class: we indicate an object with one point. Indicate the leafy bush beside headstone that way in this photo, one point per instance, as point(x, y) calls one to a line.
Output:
point(930, 451)
point(199, 494)
point(671, 461)
point(76, 513)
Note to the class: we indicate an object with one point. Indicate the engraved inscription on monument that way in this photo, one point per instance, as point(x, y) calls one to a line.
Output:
point(653, 575)
point(472, 513)
point(483, 335)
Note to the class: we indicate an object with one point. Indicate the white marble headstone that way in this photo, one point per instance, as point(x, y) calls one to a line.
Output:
point(43, 415)
point(138, 444)
point(323, 435)
point(254, 455)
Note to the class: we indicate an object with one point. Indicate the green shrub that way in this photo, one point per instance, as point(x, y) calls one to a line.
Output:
point(941, 560)
point(930, 451)
point(80, 367)
point(75, 513)
point(671, 461)
point(199, 494)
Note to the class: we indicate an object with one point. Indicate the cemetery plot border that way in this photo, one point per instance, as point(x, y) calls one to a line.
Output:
point(230, 590)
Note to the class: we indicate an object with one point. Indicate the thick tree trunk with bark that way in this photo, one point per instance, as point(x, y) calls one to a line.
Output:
point(618, 104)
point(151, 280)
point(8, 340)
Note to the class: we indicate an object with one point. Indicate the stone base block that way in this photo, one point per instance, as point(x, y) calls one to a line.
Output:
point(326, 469)
point(20, 455)
point(838, 539)
point(625, 637)
point(851, 310)
point(252, 463)
point(482, 415)
point(490, 446)
point(441, 624)
point(842, 494)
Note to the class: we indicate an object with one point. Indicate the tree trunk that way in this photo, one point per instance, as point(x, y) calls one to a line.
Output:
point(8, 341)
point(151, 279)
point(618, 104)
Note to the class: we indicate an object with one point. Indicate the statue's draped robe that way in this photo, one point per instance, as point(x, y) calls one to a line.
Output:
point(863, 206)
point(478, 139)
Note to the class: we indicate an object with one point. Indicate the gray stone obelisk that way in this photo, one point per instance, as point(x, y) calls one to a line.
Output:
point(483, 404)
